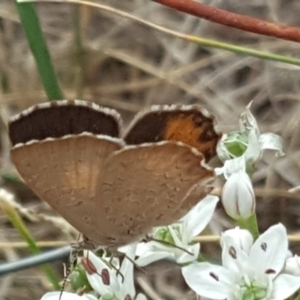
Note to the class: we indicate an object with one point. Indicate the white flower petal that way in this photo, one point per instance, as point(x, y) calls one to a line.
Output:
point(269, 251)
point(129, 250)
point(66, 296)
point(241, 238)
point(271, 141)
point(284, 286)
point(219, 171)
point(210, 281)
point(129, 255)
point(233, 257)
point(253, 151)
point(186, 257)
point(232, 166)
point(140, 297)
point(126, 281)
point(175, 236)
point(152, 251)
point(198, 218)
point(89, 297)
point(95, 279)
point(144, 248)
point(247, 120)
point(292, 265)
point(127, 285)
point(152, 256)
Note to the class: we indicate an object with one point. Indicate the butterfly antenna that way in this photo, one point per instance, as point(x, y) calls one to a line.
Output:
point(115, 268)
point(68, 270)
point(134, 263)
point(168, 244)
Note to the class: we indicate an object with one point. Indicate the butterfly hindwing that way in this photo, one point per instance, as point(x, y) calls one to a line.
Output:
point(144, 186)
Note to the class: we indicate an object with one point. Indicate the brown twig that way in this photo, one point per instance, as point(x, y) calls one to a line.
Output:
point(234, 20)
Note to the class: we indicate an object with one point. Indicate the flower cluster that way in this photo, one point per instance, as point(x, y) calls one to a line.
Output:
point(240, 150)
point(254, 266)
point(251, 270)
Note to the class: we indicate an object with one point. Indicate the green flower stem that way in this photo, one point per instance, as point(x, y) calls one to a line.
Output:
point(37, 43)
point(251, 225)
point(200, 258)
point(243, 50)
point(15, 219)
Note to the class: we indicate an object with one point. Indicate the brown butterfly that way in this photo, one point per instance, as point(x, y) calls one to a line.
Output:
point(114, 186)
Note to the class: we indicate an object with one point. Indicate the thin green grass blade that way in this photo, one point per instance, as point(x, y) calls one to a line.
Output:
point(17, 222)
point(39, 49)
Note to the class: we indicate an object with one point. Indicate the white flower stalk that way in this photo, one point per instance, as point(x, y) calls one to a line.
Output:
point(250, 270)
point(179, 236)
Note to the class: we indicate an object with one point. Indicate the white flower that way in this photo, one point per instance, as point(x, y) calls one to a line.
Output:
point(181, 235)
point(248, 142)
point(249, 271)
point(109, 283)
point(67, 296)
point(238, 196)
point(265, 141)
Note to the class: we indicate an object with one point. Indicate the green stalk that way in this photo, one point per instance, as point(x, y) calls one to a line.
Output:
point(38, 46)
point(244, 50)
point(251, 225)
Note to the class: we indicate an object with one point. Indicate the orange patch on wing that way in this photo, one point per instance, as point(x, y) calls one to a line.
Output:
point(184, 129)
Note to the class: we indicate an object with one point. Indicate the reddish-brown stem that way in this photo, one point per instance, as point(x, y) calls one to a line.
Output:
point(234, 20)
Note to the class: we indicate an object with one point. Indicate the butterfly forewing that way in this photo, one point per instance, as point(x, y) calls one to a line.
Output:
point(189, 124)
point(61, 118)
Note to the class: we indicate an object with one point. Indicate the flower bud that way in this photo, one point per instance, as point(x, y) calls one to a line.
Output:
point(238, 196)
point(232, 145)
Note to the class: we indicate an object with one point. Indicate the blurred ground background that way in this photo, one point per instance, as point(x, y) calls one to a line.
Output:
point(128, 66)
